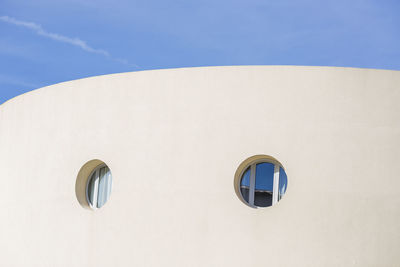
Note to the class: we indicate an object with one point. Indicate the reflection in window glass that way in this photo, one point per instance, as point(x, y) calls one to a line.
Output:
point(99, 187)
point(257, 184)
point(282, 183)
point(264, 184)
point(245, 185)
point(91, 190)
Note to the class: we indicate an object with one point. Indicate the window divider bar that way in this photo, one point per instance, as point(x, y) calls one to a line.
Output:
point(275, 192)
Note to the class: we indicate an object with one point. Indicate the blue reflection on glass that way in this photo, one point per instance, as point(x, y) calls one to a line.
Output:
point(246, 178)
point(282, 182)
point(265, 176)
point(104, 191)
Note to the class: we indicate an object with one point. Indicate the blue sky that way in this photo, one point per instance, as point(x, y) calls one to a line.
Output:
point(43, 42)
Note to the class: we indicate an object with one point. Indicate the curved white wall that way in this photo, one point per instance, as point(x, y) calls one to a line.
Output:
point(173, 140)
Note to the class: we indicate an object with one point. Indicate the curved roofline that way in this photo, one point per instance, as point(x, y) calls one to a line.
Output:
point(197, 67)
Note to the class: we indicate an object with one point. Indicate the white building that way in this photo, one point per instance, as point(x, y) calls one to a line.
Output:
point(177, 143)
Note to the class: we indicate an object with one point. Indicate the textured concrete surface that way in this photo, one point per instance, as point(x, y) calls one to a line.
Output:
point(173, 140)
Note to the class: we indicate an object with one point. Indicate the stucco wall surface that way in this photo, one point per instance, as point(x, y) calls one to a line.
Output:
point(173, 140)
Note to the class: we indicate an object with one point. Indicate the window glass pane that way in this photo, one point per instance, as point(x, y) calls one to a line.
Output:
point(264, 184)
point(246, 178)
point(245, 185)
point(104, 186)
point(265, 176)
point(282, 182)
point(91, 188)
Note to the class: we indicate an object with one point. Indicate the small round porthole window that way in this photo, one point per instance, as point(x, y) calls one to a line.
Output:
point(260, 181)
point(98, 188)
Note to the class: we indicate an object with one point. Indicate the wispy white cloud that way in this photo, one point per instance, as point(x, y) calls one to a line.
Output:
point(38, 29)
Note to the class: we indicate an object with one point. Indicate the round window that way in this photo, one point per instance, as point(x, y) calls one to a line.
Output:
point(98, 188)
point(260, 181)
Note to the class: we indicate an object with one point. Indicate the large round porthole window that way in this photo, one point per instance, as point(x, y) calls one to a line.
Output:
point(98, 187)
point(260, 181)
